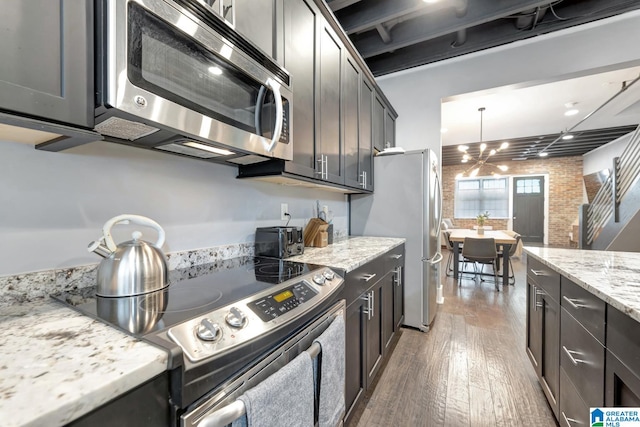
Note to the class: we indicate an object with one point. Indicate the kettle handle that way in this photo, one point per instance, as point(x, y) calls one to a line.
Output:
point(126, 219)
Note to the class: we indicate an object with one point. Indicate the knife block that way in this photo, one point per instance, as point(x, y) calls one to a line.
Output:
point(315, 233)
point(321, 240)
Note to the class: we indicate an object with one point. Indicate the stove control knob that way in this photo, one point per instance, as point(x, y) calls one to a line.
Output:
point(208, 331)
point(318, 279)
point(236, 318)
point(329, 275)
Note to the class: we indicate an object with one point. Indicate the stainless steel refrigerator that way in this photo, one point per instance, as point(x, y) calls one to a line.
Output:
point(407, 202)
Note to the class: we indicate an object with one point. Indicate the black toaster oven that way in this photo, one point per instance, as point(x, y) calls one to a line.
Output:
point(279, 242)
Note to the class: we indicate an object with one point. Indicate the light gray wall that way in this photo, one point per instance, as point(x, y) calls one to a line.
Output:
point(416, 94)
point(602, 157)
point(53, 204)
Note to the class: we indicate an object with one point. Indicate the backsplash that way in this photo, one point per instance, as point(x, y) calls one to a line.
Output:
point(30, 287)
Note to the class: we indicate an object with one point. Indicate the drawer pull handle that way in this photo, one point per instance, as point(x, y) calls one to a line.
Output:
point(570, 354)
point(569, 421)
point(368, 277)
point(572, 302)
point(396, 256)
point(538, 272)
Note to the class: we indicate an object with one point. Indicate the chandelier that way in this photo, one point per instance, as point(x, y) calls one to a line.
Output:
point(483, 158)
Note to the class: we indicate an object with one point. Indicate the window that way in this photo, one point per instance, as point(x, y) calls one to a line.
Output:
point(477, 195)
point(528, 186)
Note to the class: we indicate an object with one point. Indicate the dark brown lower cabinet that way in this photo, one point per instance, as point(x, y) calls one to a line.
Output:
point(388, 300)
point(573, 411)
point(354, 357)
point(370, 326)
point(622, 378)
point(543, 339)
point(622, 386)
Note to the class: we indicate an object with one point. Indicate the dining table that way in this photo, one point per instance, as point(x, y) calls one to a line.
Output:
point(503, 239)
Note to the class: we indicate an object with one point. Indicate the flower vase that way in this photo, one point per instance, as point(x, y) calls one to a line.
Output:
point(480, 230)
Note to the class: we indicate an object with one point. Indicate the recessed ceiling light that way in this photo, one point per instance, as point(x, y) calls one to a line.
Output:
point(430, 1)
point(567, 136)
point(543, 154)
point(571, 112)
point(570, 104)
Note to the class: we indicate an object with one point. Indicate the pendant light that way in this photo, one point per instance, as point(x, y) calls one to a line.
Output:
point(483, 157)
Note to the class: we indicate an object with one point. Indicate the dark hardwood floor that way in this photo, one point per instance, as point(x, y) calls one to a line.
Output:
point(470, 369)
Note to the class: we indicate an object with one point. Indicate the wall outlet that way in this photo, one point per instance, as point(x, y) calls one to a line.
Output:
point(284, 209)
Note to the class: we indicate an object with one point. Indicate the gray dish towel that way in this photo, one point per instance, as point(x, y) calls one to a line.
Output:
point(332, 379)
point(285, 399)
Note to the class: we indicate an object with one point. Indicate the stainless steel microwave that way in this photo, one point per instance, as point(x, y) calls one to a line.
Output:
point(173, 76)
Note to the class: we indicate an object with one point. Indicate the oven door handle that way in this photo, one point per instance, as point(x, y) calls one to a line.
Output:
point(277, 131)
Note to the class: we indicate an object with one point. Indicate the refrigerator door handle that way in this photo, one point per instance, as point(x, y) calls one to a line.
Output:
point(435, 260)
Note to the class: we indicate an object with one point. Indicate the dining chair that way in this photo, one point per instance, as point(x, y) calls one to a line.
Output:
point(449, 244)
point(512, 252)
point(481, 251)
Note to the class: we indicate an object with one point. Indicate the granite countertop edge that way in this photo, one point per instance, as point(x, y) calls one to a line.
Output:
point(597, 277)
point(349, 253)
point(62, 364)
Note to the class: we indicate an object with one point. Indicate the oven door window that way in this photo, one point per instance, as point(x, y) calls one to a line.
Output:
point(166, 62)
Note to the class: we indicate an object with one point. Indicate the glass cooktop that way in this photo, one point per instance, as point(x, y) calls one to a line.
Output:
point(192, 291)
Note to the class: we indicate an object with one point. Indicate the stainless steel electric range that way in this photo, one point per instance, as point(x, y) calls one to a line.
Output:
point(218, 321)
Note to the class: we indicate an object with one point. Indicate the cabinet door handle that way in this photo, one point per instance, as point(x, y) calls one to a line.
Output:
point(398, 274)
point(537, 293)
point(570, 354)
point(572, 302)
point(396, 256)
point(368, 277)
point(538, 272)
point(325, 174)
point(569, 421)
point(372, 300)
point(367, 311)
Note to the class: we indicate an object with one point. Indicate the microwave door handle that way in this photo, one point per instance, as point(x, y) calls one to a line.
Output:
point(275, 87)
point(258, 114)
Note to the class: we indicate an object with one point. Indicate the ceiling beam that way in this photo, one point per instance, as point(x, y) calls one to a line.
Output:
point(367, 15)
point(437, 24)
point(492, 34)
point(336, 5)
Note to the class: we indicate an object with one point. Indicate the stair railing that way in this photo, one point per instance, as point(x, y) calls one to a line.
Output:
point(625, 172)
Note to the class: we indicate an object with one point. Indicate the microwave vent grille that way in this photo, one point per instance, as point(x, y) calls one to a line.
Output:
point(124, 129)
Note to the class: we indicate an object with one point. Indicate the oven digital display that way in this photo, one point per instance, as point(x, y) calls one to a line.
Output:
point(283, 296)
point(272, 306)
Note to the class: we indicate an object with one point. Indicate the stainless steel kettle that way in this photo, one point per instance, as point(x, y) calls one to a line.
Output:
point(133, 267)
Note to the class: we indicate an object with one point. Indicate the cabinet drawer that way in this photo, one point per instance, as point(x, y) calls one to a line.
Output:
point(573, 411)
point(394, 258)
point(582, 358)
point(362, 279)
point(544, 277)
point(623, 339)
point(585, 307)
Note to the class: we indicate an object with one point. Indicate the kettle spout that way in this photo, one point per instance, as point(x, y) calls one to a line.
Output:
point(98, 247)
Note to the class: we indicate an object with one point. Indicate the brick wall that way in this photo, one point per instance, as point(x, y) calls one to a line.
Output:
point(565, 194)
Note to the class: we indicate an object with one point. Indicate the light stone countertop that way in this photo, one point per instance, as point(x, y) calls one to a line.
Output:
point(350, 253)
point(614, 277)
point(57, 364)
